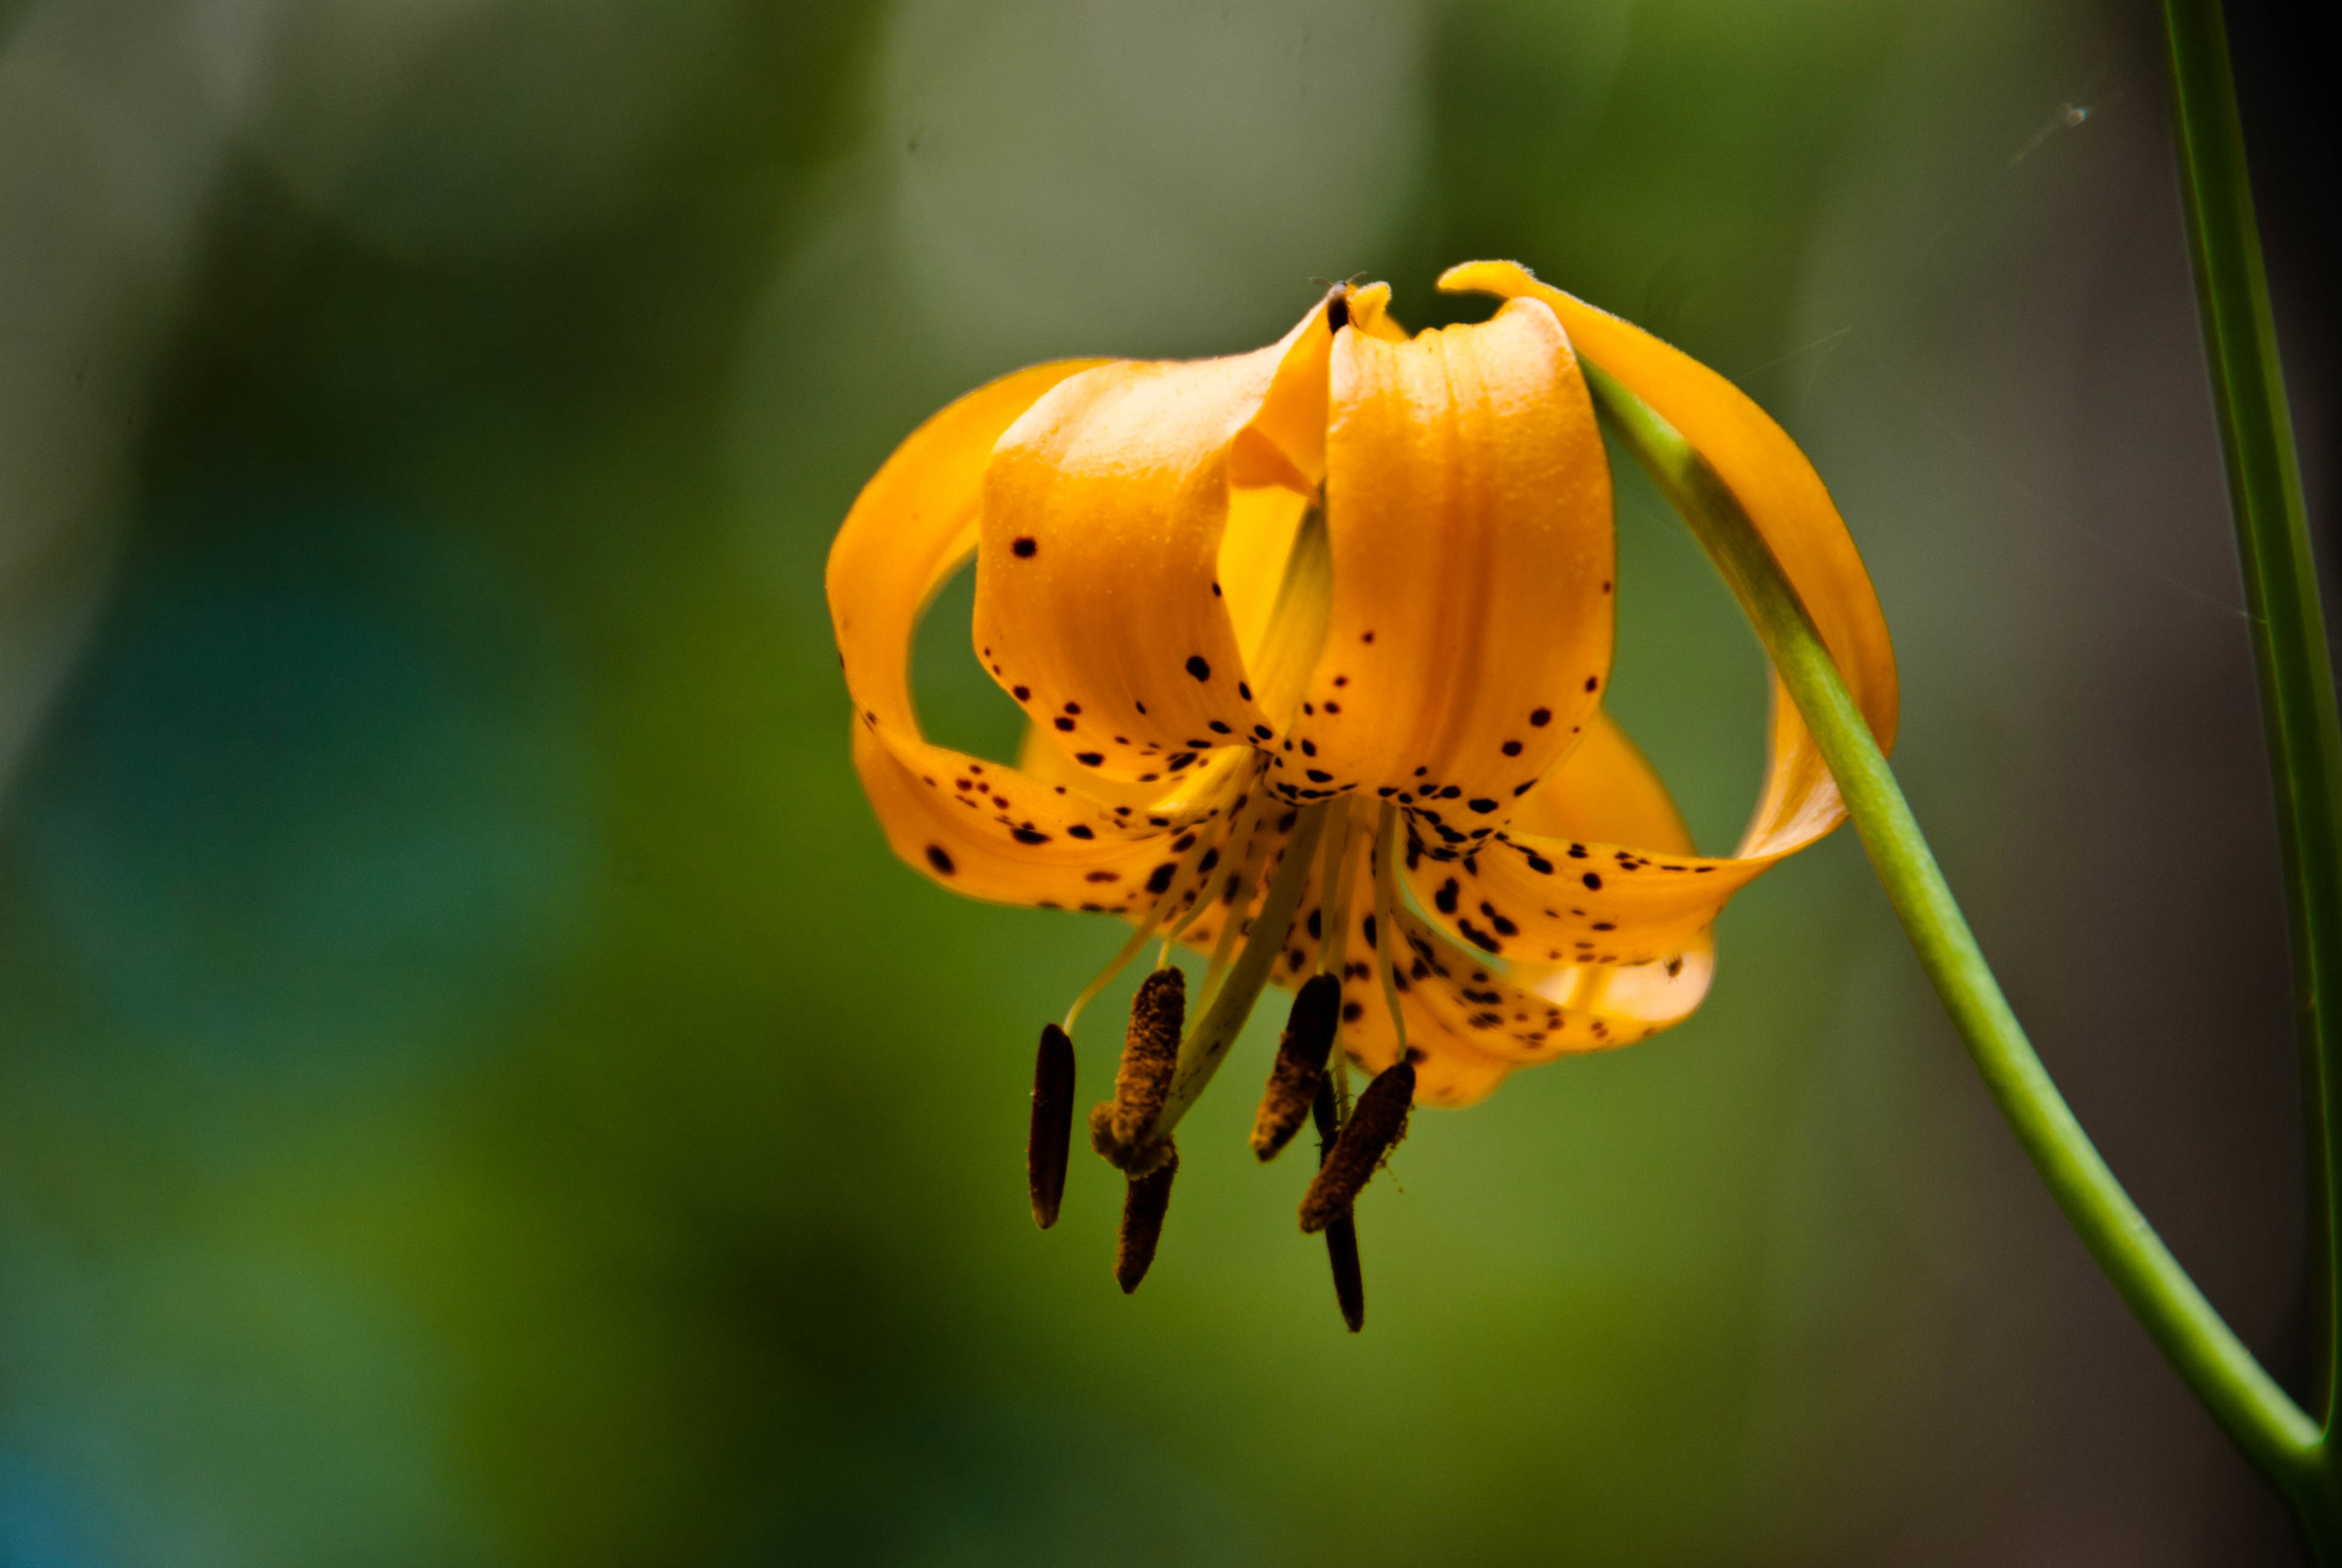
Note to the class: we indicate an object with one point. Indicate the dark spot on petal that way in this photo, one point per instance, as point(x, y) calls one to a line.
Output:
point(1198, 667)
point(1591, 880)
point(1542, 717)
point(1022, 693)
point(1064, 723)
point(1028, 835)
point(1593, 681)
point(1079, 830)
point(939, 860)
point(1159, 879)
point(1482, 807)
point(1089, 758)
point(1512, 749)
point(1023, 549)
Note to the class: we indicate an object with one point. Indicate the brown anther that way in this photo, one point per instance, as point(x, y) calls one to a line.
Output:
point(1150, 1053)
point(1342, 1231)
point(1131, 1159)
point(1144, 1204)
point(1300, 1066)
point(1377, 1122)
point(1048, 1140)
point(1342, 1251)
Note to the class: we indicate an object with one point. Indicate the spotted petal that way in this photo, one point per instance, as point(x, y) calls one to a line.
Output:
point(983, 828)
point(1098, 600)
point(1786, 499)
point(1468, 506)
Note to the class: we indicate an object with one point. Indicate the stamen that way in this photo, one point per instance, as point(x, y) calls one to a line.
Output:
point(1335, 882)
point(1299, 1075)
point(1207, 1046)
point(1342, 1231)
point(1119, 1129)
point(1241, 886)
point(1376, 1123)
point(1147, 928)
point(1386, 834)
point(1236, 827)
point(1052, 1130)
point(1144, 1202)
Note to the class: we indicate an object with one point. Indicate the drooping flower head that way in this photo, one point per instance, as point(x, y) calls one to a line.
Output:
point(1312, 643)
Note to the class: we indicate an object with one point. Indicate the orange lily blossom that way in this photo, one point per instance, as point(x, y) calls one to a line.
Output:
point(1339, 608)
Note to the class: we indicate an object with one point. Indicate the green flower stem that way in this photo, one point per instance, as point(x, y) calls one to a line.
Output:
point(2289, 632)
point(2282, 1441)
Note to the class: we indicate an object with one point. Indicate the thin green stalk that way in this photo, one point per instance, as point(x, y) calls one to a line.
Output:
point(2272, 1430)
point(2289, 631)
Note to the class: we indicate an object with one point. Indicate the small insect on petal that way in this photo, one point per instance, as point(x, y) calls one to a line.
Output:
point(1378, 1121)
point(1300, 1066)
point(1144, 1204)
point(1047, 1142)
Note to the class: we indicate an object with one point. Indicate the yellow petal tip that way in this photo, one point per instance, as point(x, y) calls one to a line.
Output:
point(1504, 279)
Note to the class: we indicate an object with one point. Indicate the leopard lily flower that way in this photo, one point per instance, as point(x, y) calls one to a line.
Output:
point(1312, 643)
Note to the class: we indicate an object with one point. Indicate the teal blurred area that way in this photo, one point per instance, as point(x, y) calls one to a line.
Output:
point(476, 1090)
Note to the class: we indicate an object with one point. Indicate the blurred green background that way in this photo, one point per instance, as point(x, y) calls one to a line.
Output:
point(475, 1089)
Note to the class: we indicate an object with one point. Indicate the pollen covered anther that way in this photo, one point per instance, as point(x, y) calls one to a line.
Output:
point(1151, 1054)
point(1144, 1202)
point(1342, 1231)
point(1048, 1141)
point(1376, 1123)
point(1300, 1070)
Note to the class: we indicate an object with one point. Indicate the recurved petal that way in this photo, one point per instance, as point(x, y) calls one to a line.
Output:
point(991, 831)
point(1646, 970)
point(1098, 604)
point(909, 529)
point(1468, 508)
point(983, 828)
point(1789, 504)
point(1609, 883)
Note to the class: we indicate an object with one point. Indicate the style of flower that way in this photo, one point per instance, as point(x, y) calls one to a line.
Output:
point(1313, 642)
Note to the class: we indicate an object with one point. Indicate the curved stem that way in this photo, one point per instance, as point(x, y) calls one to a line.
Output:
point(2289, 631)
point(2272, 1430)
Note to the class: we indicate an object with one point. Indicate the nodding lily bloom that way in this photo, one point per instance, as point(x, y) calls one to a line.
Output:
point(1312, 643)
